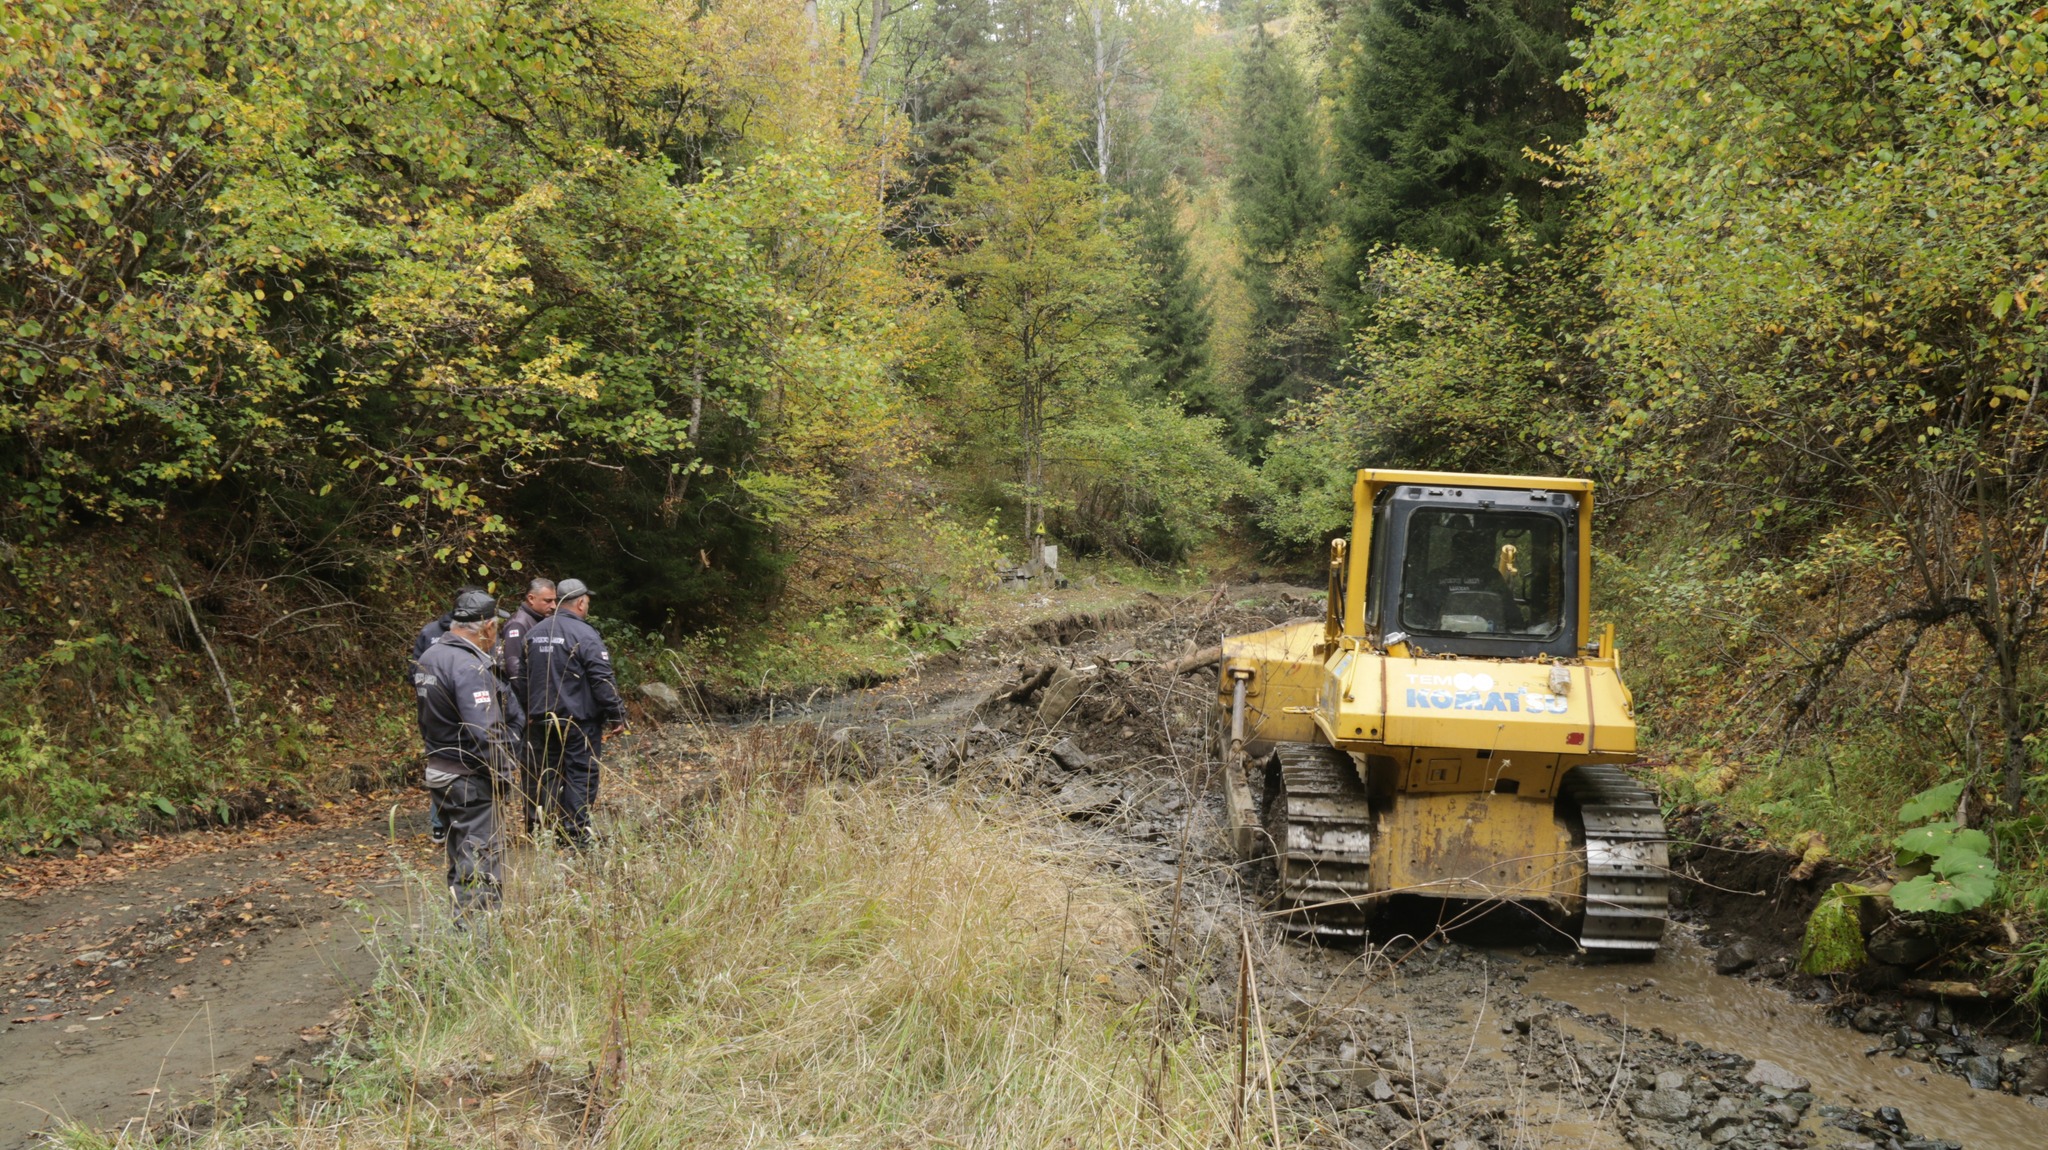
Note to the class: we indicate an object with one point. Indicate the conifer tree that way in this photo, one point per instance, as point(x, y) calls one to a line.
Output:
point(1174, 321)
point(1277, 187)
point(1437, 102)
point(964, 99)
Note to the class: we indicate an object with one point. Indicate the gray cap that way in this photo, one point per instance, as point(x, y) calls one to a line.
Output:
point(474, 607)
point(570, 590)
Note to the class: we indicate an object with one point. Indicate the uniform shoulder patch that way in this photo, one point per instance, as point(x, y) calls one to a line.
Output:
point(482, 698)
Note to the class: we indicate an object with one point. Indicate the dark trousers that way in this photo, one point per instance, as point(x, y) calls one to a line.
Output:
point(530, 797)
point(435, 822)
point(476, 840)
point(563, 759)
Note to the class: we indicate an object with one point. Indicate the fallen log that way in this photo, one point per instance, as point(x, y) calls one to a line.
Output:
point(1206, 657)
point(1923, 988)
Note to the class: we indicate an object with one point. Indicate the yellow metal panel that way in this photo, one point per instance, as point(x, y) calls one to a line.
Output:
point(1477, 846)
point(1361, 555)
point(1614, 729)
point(1348, 705)
point(1379, 478)
point(1287, 669)
point(1585, 569)
point(1487, 705)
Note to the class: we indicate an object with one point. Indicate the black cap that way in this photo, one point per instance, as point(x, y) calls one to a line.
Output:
point(474, 607)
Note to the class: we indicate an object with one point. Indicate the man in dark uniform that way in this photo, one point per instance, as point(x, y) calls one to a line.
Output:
point(466, 721)
point(434, 629)
point(538, 604)
point(572, 702)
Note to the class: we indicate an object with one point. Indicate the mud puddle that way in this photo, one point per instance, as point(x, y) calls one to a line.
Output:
point(1680, 995)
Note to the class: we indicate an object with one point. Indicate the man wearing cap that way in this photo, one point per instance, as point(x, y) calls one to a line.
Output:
point(572, 702)
point(466, 721)
point(538, 604)
point(432, 631)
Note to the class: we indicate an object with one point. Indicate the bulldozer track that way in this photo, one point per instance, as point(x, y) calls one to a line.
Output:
point(1627, 862)
point(1321, 825)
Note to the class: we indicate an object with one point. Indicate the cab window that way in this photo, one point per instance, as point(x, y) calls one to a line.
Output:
point(1483, 573)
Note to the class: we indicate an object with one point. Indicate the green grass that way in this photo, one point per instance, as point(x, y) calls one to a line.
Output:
point(883, 965)
point(1848, 789)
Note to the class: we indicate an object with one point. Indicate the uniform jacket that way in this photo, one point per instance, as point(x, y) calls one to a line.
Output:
point(465, 716)
point(434, 629)
point(512, 648)
point(568, 672)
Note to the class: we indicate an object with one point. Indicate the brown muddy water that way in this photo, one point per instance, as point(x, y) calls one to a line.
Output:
point(1757, 1020)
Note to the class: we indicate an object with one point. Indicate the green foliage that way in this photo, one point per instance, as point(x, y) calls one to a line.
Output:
point(326, 253)
point(1140, 478)
point(1276, 176)
point(1922, 843)
point(1046, 291)
point(1823, 249)
point(1278, 196)
point(1438, 106)
point(1305, 483)
point(48, 800)
point(963, 104)
point(2028, 962)
point(1833, 943)
point(1450, 373)
point(1957, 883)
point(1961, 875)
point(1933, 801)
point(1173, 318)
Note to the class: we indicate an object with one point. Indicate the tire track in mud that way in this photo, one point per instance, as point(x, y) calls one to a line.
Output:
point(168, 984)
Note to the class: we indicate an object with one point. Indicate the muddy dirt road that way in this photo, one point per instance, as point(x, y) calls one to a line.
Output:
point(1490, 1035)
point(181, 969)
point(149, 979)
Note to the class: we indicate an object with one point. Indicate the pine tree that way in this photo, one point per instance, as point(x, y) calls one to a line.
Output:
point(965, 99)
point(1437, 102)
point(1174, 319)
point(1277, 187)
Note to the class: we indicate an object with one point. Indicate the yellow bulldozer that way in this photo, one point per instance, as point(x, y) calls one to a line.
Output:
point(1451, 727)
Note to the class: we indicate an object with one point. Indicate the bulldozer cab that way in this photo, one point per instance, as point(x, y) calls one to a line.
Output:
point(1473, 571)
point(1483, 566)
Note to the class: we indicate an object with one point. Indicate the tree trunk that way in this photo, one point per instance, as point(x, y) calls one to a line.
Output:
point(877, 14)
point(2016, 720)
point(1102, 69)
point(1029, 427)
point(2003, 622)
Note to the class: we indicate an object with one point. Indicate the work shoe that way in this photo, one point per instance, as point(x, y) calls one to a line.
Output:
point(437, 835)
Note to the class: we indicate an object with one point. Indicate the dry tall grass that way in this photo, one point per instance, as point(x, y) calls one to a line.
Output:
point(873, 965)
